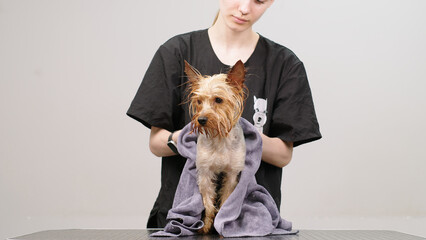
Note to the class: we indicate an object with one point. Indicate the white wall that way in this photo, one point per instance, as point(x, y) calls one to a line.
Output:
point(71, 158)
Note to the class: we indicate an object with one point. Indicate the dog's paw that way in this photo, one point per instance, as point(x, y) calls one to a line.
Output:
point(208, 223)
point(204, 230)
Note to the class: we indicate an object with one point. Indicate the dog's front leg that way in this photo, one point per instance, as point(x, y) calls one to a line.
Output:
point(206, 184)
point(230, 180)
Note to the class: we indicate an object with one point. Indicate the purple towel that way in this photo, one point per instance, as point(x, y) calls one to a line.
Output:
point(249, 210)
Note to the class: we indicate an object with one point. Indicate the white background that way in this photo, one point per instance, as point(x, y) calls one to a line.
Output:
point(71, 158)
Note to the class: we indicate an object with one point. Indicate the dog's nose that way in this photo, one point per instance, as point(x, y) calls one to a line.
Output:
point(202, 120)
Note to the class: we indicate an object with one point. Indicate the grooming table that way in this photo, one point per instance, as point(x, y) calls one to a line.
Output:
point(82, 234)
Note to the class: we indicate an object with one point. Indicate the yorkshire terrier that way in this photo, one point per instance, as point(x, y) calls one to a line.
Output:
point(216, 103)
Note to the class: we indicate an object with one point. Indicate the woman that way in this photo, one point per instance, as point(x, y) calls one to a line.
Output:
point(279, 103)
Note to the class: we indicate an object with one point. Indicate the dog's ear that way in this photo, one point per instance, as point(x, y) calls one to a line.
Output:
point(237, 74)
point(191, 72)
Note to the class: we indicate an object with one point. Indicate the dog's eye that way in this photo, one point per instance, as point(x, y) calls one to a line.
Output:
point(199, 102)
point(218, 100)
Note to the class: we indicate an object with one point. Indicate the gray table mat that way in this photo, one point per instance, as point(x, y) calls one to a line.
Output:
point(89, 234)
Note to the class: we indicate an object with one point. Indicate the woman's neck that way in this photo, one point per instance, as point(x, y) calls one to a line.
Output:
point(231, 46)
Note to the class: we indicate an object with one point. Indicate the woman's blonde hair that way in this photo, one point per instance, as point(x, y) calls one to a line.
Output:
point(215, 18)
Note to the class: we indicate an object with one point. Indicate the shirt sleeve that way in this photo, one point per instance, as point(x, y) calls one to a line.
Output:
point(157, 100)
point(294, 118)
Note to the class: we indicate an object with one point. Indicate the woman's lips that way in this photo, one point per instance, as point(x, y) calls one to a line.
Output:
point(239, 20)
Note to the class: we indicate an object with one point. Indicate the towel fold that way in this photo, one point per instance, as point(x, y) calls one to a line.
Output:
point(249, 210)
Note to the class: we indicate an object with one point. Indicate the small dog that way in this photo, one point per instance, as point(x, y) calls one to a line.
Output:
point(216, 104)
